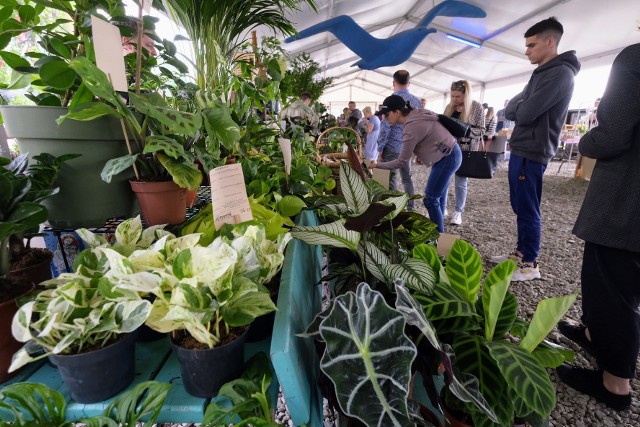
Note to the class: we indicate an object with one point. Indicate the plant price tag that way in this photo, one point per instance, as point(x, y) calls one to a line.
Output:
point(229, 196)
point(108, 47)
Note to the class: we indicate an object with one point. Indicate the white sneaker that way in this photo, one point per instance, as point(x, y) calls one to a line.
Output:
point(500, 258)
point(526, 272)
point(456, 218)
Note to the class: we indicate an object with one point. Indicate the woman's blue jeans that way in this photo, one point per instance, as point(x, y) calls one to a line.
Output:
point(435, 192)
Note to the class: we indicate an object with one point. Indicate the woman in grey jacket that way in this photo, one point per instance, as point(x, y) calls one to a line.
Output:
point(424, 136)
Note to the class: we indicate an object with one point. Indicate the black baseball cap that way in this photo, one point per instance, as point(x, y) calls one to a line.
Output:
point(392, 103)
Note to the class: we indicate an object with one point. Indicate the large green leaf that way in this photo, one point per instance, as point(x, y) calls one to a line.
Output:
point(90, 111)
point(14, 61)
point(464, 270)
point(144, 401)
point(429, 253)
point(415, 273)
point(368, 358)
point(247, 303)
point(353, 188)
point(495, 289)
point(373, 258)
point(220, 126)
point(333, 234)
point(57, 74)
point(32, 404)
point(547, 315)
point(183, 174)
point(525, 375)
point(117, 165)
point(176, 122)
point(473, 357)
point(444, 303)
point(163, 144)
point(552, 355)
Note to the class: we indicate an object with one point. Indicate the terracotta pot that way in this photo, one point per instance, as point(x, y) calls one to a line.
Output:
point(160, 202)
point(190, 197)
point(8, 345)
point(36, 273)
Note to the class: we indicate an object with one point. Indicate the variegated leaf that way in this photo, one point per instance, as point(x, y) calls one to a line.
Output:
point(415, 273)
point(464, 270)
point(332, 234)
point(429, 253)
point(368, 358)
point(373, 258)
point(353, 189)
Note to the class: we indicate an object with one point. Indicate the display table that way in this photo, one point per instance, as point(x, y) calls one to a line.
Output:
point(154, 361)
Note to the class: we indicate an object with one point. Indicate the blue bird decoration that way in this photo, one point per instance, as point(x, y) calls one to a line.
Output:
point(376, 53)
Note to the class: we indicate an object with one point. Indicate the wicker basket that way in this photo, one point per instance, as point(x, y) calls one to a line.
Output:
point(335, 135)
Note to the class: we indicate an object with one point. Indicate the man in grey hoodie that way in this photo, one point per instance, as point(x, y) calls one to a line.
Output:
point(539, 113)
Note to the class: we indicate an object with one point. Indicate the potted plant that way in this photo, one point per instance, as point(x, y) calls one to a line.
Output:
point(44, 70)
point(84, 322)
point(207, 299)
point(22, 188)
point(506, 354)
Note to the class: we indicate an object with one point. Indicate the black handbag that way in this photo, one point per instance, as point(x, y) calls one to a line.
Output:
point(478, 164)
point(457, 128)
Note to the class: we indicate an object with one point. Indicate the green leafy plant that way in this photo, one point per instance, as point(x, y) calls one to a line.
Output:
point(33, 404)
point(244, 401)
point(22, 188)
point(506, 354)
point(370, 223)
point(301, 77)
point(84, 310)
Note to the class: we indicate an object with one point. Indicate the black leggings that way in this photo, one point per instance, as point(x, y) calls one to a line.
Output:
point(610, 306)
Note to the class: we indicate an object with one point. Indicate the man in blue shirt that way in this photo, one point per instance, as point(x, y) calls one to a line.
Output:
point(390, 138)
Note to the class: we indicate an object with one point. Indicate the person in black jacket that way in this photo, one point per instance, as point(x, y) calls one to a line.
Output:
point(608, 223)
point(539, 112)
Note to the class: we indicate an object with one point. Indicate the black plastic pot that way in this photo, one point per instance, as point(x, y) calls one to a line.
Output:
point(261, 328)
point(205, 371)
point(100, 374)
point(146, 334)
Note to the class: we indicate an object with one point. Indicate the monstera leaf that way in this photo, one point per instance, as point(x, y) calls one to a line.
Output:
point(368, 358)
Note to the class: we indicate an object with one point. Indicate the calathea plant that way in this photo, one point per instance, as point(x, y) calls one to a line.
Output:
point(506, 354)
point(371, 224)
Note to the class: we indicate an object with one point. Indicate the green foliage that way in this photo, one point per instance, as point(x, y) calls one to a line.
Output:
point(37, 405)
point(300, 77)
point(245, 398)
point(368, 358)
point(481, 332)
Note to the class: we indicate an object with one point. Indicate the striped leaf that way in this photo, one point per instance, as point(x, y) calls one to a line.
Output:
point(373, 259)
point(547, 315)
point(444, 303)
point(473, 357)
point(400, 202)
point(368, 358)
point(415, 273)
point(495, 289)
point(525, 376)
point(429, 253)
point(552, 355)
point(332, 234)
point(353, 189)
point(464, 270)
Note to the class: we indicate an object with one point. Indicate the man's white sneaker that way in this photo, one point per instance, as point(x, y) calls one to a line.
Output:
point(500, 258)
point(525, 272)
point(456, 218)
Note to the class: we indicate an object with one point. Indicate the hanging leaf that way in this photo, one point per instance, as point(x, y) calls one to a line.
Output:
point(368, 358)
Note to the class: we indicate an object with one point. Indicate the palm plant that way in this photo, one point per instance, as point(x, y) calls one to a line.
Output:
point(218, 26)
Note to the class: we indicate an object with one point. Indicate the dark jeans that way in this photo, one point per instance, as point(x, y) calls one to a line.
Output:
point(405, 174)
point(525, 189)
point(610, 302)
point(435, 192)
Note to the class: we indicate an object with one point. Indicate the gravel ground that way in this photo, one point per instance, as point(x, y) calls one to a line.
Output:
point(489, 224)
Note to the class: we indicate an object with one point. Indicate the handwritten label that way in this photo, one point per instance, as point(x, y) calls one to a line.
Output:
point(229, 196)
point(108, 47)
point(285, 146)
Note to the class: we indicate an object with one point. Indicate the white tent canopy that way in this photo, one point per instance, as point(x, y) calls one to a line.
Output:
point(596, 29)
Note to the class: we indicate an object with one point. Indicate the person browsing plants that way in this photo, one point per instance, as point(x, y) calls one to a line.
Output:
point(539, 112)
point(424, 136)
point(462, 107)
